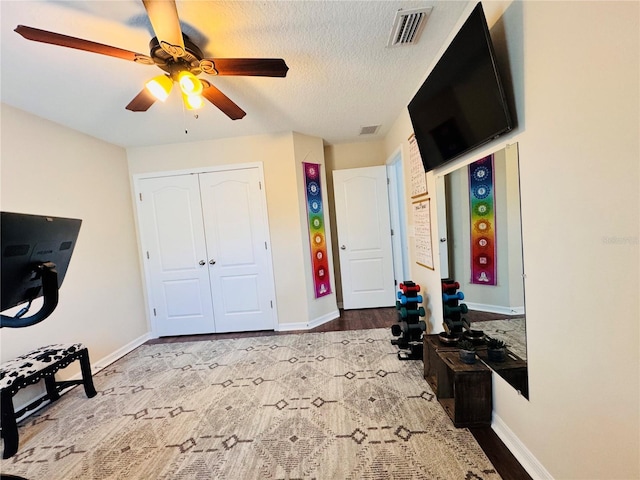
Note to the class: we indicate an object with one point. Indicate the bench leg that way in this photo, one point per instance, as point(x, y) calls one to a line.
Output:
point(87, 379)
point(52, 390)
point(9, 426)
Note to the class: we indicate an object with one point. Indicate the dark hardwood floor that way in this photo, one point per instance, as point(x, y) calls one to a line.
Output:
point(478, 316)
point(503, 460)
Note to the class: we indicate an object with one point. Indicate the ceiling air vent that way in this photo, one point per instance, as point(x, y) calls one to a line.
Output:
point(408, 26)
point(370, 130)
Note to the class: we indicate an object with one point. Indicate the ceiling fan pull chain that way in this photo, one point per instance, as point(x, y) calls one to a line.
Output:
point(184, 119)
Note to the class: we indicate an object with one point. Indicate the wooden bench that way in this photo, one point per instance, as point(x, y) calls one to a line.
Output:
point(29, 369)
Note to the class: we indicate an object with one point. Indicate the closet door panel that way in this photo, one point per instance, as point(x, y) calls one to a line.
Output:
point(174, 244)
point(236, 234)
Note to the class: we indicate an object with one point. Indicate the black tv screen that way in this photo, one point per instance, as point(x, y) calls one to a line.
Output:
point(28, 241)
point(461, 104)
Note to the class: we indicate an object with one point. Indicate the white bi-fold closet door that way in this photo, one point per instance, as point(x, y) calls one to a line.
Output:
point(205, 243)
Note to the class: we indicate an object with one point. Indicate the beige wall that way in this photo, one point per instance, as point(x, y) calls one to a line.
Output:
point(574, 68)
point(48, 169)
point(281, 157)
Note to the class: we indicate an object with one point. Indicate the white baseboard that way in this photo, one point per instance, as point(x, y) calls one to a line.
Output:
point(324, 319)
point(495, 308)
point(121, 352)
point(519, 450)
point(289, 327)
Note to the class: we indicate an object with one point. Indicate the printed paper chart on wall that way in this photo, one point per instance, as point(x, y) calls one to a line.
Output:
point(317, 238)
point(418, 179)
point(422, 220)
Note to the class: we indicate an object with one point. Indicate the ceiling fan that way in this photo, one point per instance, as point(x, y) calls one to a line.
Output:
point(178, 56)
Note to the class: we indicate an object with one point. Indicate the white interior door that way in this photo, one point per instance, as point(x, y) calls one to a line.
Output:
point(175, 254)
point(364, 237)
point(237, 243)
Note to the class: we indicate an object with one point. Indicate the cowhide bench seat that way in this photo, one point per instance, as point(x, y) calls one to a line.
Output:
point(29, 369)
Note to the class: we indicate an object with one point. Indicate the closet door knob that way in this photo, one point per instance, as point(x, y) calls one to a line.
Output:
point(201, 262)
point(212, 262)
point(343, 247)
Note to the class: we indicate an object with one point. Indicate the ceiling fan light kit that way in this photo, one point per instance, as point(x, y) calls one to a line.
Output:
point(189, 83)
point(192, 102)
point(160, 87)
point(182, 60)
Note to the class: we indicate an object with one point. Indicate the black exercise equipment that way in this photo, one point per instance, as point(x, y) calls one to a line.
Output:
point(409, 328)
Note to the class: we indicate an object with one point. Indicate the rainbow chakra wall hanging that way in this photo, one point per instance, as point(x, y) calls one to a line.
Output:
point(315, 215)
point(483, 222)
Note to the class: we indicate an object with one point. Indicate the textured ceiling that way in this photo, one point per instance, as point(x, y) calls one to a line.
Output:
point(341, 74)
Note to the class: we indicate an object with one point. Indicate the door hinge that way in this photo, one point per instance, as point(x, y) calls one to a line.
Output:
point(395, 282)
point(148, 255)
point(154, 313)
point(388, 181)
point(265, 246)
point(260, 184)
point(271, 303)
point(140, 195)
point(392, 232)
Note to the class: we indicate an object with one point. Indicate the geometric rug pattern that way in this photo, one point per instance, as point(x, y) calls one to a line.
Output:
point(332, 405)
point(511, 331)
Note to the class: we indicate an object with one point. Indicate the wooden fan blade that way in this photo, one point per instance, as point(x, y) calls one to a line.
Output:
point(220, 100)
point(257, 67)
point(142, 101)
point(163, 15)
point(52, 38)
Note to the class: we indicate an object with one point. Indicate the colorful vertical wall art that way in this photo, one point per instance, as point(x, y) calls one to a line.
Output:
point(315, 215)
point(483, 218)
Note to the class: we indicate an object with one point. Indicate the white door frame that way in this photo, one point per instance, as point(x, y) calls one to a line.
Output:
point(443, 225)
point(141, 240)
point(399, 243)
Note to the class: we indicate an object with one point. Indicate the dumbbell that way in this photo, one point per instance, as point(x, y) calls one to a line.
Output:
point(401, 294)
point(456, 296)
point(401, 342)
point(408, 328)
point(453, 326)
point(409, 287)
point(404, 299)
point(450, 286)
point(448, 311)
point(405, 312)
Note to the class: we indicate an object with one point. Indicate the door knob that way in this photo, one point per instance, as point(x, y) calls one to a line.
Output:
point(201, 262)
point(212, 262)
point(443, 239)
point(342, 247)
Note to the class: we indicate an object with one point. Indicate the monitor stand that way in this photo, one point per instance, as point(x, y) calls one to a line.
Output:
point(49, 275)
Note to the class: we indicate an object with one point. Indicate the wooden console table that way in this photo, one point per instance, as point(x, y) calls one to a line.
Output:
point(463, 390)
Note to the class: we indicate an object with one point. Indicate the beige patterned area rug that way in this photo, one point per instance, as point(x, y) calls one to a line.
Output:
point(511, 331)
point(325, 406)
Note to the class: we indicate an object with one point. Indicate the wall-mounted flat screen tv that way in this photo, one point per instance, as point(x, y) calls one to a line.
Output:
point(461, 104)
